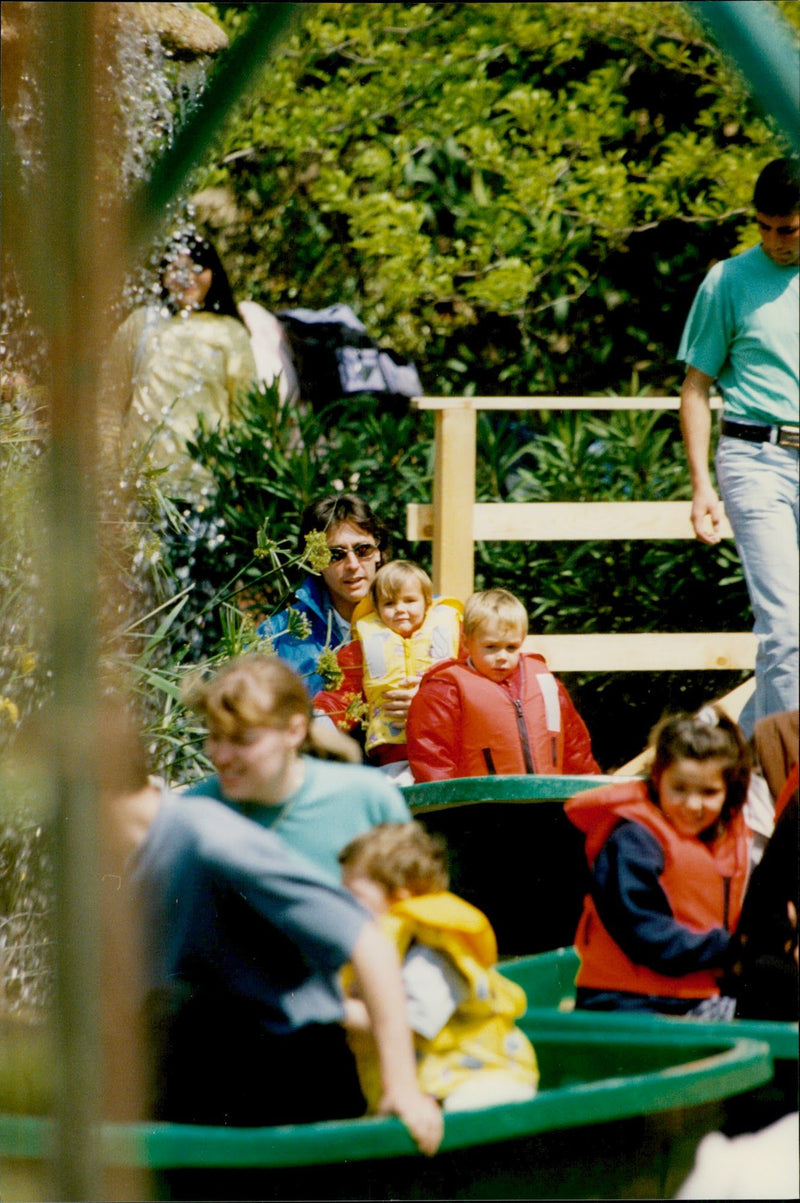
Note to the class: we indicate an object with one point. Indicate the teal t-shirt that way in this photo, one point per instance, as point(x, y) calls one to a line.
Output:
point(743, 330)
point(335, 803)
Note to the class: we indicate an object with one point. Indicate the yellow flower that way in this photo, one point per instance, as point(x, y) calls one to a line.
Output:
point(317, 554)
point(357, 710)
point(10, 708)
point(297, 623)
point(26, 661)
point(265, 547)
point(328, 668)
point(265, 645)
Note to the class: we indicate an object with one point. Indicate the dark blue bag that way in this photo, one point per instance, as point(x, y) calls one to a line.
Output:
point(336, 359)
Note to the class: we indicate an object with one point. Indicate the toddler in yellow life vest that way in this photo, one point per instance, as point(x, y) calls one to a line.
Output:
point(400, 630)
point(462, 1012)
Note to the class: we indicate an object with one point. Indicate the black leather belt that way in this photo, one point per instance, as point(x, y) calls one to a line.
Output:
point(782, 436)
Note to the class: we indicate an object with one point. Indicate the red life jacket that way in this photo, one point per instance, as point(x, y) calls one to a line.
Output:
point(704, 885)
point(502, 734)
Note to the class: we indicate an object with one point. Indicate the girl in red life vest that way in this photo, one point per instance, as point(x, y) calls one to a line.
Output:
point(668, 859)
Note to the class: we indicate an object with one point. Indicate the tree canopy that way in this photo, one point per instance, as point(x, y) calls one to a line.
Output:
point(522, 197)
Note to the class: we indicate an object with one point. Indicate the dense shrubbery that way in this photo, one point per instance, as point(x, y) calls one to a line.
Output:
point(269, 466)
point(520, 197)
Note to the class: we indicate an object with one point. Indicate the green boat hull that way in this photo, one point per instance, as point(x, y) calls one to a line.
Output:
point(623, 1100)
point(596, 1095)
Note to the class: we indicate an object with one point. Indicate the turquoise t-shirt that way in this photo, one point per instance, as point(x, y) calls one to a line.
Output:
point(335, 803)
point(743, 330)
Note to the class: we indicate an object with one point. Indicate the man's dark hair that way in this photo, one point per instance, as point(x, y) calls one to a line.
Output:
point(343, 507)
point(777, 191)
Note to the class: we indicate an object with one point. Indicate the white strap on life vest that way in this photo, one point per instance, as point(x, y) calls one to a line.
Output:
point(552, 703)
point(374, 650)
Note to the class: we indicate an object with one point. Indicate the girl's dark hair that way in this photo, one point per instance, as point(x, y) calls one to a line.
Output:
point(337, 508)
point(219, 298)
point(706, 735)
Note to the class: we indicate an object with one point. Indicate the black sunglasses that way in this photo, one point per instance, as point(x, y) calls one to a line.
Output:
point(362, 551)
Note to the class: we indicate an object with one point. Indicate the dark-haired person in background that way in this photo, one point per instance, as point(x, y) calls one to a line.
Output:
point(743, 332)
point(185, 355)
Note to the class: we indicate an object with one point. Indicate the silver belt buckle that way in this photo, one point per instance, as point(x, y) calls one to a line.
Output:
point(789, 436)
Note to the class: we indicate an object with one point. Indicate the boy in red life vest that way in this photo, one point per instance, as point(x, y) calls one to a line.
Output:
point(668, 859)
point(400, 630)
point(499, 711)
point(470, 1052)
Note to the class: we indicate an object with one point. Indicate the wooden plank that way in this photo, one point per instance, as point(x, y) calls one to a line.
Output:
point(645, 652)
point(732, 703)
point(575, 521)
point(453, 497)
point(553, 403)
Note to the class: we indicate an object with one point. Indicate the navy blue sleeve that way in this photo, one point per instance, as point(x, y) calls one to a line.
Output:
point(632, 904)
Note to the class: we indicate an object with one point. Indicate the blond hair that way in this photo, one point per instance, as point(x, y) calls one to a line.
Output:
point(251, 690)
point(391, 578)
point(399, 856)
point(497, 606)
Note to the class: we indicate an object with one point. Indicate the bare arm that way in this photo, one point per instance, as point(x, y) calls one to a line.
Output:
point(379, 982)
point(695, 415)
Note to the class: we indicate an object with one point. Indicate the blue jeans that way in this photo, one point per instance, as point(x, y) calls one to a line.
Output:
point(758, 483)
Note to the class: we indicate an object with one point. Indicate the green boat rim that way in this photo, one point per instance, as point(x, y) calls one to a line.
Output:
point(713, 1071)
point(460, 791)
point(548, 978)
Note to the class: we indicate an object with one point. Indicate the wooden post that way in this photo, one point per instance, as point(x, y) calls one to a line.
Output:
point(454, 499)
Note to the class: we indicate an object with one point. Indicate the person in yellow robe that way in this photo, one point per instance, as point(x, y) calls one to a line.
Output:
point(187, 355)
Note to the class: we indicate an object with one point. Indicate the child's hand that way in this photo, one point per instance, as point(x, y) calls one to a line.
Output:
point(421, 1114)
point(356, 1017)
point(396, 702)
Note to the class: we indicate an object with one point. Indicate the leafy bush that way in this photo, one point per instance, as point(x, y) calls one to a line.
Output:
point(22, 446)
point(520, 197)
point(269, 465)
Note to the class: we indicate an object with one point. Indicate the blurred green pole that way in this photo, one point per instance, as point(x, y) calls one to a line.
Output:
point(763, 45)
point(65, 228)
point(71, 249)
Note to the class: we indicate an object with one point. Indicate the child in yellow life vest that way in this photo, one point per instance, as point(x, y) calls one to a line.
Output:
point(400, 630)
point(470, 1052)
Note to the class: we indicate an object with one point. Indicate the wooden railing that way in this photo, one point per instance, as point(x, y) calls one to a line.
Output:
point(455, 521)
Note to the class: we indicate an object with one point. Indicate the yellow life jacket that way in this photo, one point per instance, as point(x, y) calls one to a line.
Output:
point(482, 1034)
point(389, 658)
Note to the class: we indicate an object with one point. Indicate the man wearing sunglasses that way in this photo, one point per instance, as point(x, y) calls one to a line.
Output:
point(358, 543)
point(742, 331)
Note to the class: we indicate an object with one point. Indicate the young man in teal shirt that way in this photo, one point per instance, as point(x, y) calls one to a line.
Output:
point(742, 332)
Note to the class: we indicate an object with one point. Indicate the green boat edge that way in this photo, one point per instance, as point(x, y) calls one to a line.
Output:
point(726, 1059)
point(548, 979)
point(718, 1067)
point(466, 791)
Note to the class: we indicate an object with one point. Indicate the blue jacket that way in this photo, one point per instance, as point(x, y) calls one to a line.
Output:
point(312, 600)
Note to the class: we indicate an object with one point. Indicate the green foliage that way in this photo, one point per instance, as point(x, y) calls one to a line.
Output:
point(605, 587)
point(520, 197)
point(273, 461)
point(533, 190)
point(268, 466)
point(21, 460)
